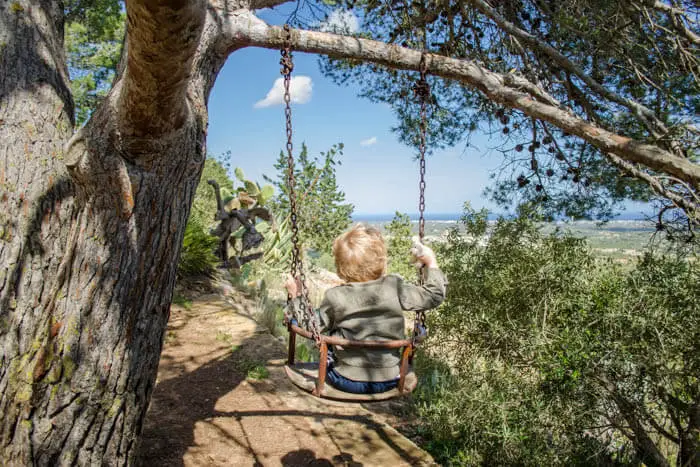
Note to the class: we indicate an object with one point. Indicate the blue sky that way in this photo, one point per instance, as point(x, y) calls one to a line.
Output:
point(377, 178)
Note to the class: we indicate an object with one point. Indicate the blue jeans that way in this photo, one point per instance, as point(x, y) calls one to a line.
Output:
point(339, 381)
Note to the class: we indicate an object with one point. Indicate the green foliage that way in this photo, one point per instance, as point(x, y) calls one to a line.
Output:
point(223, 336)
point(198, 246)
point(248, 194)
point(269, 313)
point(94, 33)
point(543, 354)
point(277, 247)
point(254, 369)
point(258, 372)
point(305, 351)
point(197, 254)
point(399, 245)
point(322, 213)
point(182, 301)
point(323, 260)
point(628, 69)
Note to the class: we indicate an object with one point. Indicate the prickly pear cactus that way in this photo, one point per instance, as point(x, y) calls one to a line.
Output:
point(238, 213)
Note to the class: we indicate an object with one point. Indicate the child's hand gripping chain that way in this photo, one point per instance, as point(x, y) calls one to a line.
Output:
point(423, 254)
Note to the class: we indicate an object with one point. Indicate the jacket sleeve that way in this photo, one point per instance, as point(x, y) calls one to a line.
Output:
point(426, 296)
point(326, 315)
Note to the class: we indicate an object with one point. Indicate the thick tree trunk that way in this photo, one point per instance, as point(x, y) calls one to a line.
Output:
point(36, 200)
point(90, 231)
point(89, 242)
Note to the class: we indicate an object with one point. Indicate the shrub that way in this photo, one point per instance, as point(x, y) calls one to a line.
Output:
point(198, 246)
point(399, 245)
point(547, 355)
point(322, 211)
point(197, 254)
point(322, 260)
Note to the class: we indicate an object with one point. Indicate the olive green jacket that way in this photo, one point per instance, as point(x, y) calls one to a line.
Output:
point(374, 310)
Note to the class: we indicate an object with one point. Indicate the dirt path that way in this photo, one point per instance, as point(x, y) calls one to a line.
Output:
point(207, 411)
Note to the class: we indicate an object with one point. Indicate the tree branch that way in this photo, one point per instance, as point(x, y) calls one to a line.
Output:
point(260, 4)
point(675, 14)
point(647, 116)
point(162, 37)
point(244, 29)
point(690, 208)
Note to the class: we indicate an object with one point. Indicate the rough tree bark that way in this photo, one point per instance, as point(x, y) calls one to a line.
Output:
point(92, 230)
point(91, 224)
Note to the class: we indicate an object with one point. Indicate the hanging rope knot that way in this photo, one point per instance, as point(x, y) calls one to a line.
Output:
point(286, 52)
point(287, 63)
point(422, 89)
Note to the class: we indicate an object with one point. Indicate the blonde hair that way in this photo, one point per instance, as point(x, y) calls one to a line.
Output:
point(360, 254)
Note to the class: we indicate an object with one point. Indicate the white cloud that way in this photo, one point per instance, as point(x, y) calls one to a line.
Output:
point(341, 22)
point(368, 141)
point(299, 91)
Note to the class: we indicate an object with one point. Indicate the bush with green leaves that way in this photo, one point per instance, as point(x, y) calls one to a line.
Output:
point(543, 354)
point(322, 211)
point(197, 254)
point(198, 246)
point(399, 246)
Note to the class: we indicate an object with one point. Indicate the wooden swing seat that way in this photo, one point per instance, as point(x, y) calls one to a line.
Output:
point(311, 377)
point(305, 377)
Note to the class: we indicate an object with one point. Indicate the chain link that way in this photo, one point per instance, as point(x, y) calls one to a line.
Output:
point(297, 267)
point(422, 92)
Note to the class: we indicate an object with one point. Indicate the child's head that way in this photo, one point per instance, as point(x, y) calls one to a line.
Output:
point(360, 254)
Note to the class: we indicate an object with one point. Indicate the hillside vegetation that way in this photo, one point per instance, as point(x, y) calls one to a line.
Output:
point(545, 351)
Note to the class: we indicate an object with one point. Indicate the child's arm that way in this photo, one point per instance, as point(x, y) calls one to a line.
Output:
point(431, 293)
point(325, 314)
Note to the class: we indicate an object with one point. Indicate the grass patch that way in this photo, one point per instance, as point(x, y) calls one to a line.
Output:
point(170, 337)
point(182, 301)
point(254, 369)
point(258, 372)
point(305, 351)
point(222, 336)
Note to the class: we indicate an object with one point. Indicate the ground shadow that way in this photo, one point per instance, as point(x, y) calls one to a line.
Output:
point(181, 402)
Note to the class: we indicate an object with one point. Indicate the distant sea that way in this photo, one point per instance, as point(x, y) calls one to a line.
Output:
point(447, 217)
point(414, 217)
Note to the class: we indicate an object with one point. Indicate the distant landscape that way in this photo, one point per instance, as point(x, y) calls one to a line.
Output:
point(618, 239)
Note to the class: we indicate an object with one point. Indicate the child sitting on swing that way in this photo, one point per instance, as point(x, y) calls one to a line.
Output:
point(370, 305)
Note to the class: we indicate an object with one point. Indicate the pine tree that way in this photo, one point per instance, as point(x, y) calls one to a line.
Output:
point(321, 208)
point(399, 245)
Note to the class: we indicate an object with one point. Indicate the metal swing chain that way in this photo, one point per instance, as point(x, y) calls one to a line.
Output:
point(422, 91)
point(297, 266)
